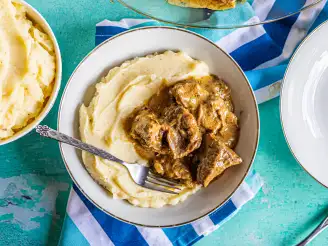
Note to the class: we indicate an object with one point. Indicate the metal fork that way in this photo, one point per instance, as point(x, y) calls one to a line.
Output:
point(141, 175)
point(322, 226)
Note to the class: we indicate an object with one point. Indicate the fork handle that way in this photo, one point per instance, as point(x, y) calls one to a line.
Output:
point(323, 225)
point(46, 131)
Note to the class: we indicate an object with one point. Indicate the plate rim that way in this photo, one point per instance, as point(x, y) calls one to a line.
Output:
point(304, 8)
point(309, 36)
point(65, 94)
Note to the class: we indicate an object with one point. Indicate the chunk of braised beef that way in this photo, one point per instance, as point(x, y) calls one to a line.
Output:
point(189, 130)
point(183, 134)
point(148, 132)
point(177, 169)
point(229, 132)
point(217, 88)
point(208, 116)
point(189, 94)
point(214, 158)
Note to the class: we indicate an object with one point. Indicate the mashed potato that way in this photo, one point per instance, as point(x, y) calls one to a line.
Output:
point(27, 69)
point(117, 95)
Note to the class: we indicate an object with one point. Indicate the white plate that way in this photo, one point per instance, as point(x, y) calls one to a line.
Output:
point(140, 42)
point(304, 101)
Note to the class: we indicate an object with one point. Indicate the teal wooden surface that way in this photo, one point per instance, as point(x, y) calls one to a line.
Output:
point(34, 184)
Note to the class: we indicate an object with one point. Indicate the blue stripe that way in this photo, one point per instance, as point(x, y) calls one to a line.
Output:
point(100, 39)
point(279, 30)
point(128, 235)
point(105, 32)
point(109, 30)
point(263, 77)
point(182, 235)
point(222, 213)
point(262, 45)
point(288, 7)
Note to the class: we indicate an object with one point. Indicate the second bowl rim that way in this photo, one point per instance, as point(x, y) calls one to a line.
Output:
point(57, 81)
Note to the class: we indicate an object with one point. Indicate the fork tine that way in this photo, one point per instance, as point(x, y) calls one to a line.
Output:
point(166, 180)
point(150, 186)
point(157, 182)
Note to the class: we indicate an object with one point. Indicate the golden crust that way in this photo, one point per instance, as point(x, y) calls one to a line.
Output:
point(208, 4)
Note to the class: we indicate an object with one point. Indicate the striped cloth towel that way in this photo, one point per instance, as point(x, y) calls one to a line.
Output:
point(263, 52)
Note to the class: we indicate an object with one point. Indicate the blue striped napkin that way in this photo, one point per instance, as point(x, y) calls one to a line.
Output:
point(263, 52)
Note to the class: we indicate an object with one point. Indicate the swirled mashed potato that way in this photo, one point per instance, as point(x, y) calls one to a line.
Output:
point(27, 69)
point(117, 95)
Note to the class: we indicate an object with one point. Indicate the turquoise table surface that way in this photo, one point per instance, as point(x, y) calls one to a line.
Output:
point(34, 184)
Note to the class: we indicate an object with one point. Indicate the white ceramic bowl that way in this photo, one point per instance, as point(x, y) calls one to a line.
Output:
point(304, 104)
point(140, 42)
point(35, 16)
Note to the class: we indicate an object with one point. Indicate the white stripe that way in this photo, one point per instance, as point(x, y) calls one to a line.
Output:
point(241, 36)
point(85, 221)
point(242, 195)
point(134, 22)
point(299, 30)
point(154, 237)
point(203, 225)
point(268, 92)
point(262, 8)
point(104, 23)
point(255, 183)
point(124, 23)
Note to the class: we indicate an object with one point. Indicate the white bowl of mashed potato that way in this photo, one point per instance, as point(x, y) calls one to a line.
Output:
point(122, 74)
point(30, 69)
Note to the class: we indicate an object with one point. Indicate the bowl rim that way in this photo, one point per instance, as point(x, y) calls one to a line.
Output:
point(176, 29)
point(309, 36)
point(57, 81)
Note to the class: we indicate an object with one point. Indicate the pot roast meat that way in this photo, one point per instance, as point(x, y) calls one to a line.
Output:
point(189, 94)
point(148, 132)
point(183, 135)
point(216, 87)
point(208, 116)
point(229, 132)
point(214, 158)
point(188, 130)
point(177, 169)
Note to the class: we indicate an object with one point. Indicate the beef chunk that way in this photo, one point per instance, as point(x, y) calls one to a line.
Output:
point(216, 87)
point(148, 132)
point(230, 130)
point(208, 116)
point(175, 131)
point(183, 135)
point(189, 94)
point(214, 158)
point(171, 168)
point(188, 130)
point(229, 135)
